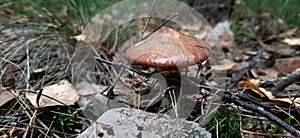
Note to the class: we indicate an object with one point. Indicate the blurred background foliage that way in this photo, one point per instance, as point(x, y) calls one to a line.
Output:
point(70, 15)
point(287, 10)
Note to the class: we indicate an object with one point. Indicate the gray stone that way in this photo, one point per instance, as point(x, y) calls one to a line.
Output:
point(99, 105)
point(126, 122)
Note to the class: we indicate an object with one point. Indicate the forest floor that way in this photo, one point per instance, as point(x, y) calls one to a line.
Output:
point(259, 41)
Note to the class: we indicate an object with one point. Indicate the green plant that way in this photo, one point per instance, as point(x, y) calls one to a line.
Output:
point(267, 17)
point(275, 129)
point(226, 122)
point(241, 32)
point(285, 9)
point(65, 120)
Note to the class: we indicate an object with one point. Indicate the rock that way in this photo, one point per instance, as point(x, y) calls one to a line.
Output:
point(99, 105)
point(126, 122)
point(93, 103)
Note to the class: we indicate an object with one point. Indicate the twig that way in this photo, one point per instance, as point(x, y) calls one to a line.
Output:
point(173, 101)
point(148, 20)
point(22, 91)
point(286, 93)
point(286, 82)
point(48, 129)
point(23, 105)
point(123, 69)
point(265, 134)
point(238, 76)
point(37, 127)
point(260, 104)
point(217, 129)
point(161, 25)
point(240, 120)
point(123, 65)
point(233, 99)
point(262, 112)
point(17, 66)
point(287, 114)
point(14, 128)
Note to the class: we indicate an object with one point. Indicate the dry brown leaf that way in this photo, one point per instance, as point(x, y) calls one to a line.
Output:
point(288, 33)
point(226, 66)
point(254, 88)
point(251, 53)
point(285, 50)
point(267, 75)
point(62, 91)
point(287, 100)
point(240, 66)
point(268, 72)
point(292, 41)
point(265, 93)
point(256, 82)
point(287, 65)
point(5, 96)
point(254, 73)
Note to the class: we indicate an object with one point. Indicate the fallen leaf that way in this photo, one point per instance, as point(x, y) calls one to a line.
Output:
point(256, 82)
point(254, 88)
point(251, 53)
point(285, 50)
point(254, 73)
point(268, 94)
point(287, 65)
point(62, 91)
point(290, 100)
point(288, 33)
point(292, 41)
point(268, 72)
point(240, 66)
point(226, 66)
point(284, 34)
point(5, 96)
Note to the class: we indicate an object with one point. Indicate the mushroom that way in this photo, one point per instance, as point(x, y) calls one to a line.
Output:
point(168, 50)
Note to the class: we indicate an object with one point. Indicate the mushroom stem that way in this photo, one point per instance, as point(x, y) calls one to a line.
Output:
point(173, 82)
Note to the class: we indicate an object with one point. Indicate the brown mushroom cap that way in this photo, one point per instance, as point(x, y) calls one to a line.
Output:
point(167, 48)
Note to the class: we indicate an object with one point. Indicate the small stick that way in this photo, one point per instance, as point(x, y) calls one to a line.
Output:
point(288, 81)
point(258, 109)
point(148, 20)
point(123, 69)
point(122, 65)
point(161, 25)
point(252, 63)
point(141, 37)
point(41, 94)
point(266, 134)
point(264, 113)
